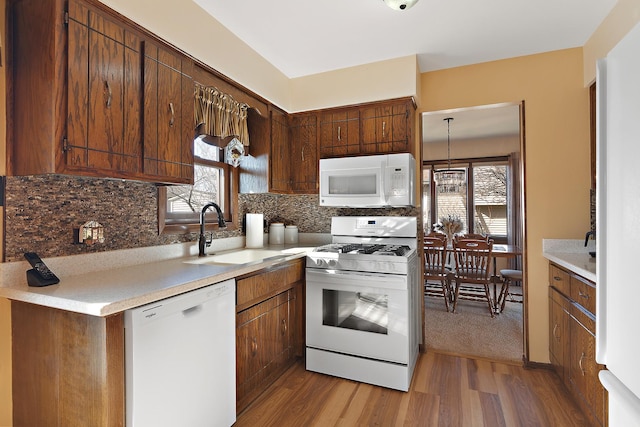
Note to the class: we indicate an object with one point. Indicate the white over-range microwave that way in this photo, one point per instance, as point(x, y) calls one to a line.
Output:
point(368, 181)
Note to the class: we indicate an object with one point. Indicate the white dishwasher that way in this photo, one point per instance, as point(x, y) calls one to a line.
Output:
point(181, 360)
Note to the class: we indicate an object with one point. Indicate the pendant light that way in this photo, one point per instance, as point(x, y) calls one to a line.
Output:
point(400, 4)
point(450, 180)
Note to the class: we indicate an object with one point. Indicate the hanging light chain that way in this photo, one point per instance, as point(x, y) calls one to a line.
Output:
point(448, 119)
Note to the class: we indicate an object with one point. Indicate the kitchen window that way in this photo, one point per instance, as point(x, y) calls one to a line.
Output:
point(179, 206)
point(484, 204)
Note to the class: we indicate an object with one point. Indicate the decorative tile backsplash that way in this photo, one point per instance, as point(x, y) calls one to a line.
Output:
point(42, 212)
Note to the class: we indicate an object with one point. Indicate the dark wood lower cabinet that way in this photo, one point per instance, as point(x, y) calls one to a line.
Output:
point(269, 333)
point(572, 342)
point(263, 345)
point(68, 368)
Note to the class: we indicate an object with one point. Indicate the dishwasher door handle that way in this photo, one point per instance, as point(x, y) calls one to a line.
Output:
point(192, 310)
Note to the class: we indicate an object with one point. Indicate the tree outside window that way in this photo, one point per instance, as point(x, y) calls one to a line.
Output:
point(482, 204)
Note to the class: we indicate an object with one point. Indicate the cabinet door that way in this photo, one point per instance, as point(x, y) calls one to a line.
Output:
point(386, 128)
point(262, 347)
point(304, 153)
point(169, 125)
point(558, 333)
point(584, 369)
point(280, 155)
point(250, 352)
point(340, 133)
point(104, 94)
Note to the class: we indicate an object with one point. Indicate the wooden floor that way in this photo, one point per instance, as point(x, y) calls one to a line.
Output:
point(446, 391)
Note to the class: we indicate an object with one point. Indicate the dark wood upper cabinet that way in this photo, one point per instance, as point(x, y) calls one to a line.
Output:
point(380, 127)
point(592, 131)
point(83, 95)
point(304, 153)
point(169, 125)
point(279, 163)
point(340, 133)
point(104, 93)
point(387, 127)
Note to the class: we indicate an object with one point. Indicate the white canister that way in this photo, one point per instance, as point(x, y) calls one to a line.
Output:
point(276, 233)
point(291, 234)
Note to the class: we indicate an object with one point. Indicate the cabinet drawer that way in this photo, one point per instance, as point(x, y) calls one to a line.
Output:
point(559, 279)
point(254, 289)
point(584, 293)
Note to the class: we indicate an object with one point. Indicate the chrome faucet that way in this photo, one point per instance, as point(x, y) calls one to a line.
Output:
point(202, 241)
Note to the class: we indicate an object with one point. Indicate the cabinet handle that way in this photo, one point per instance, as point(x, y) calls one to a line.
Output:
point(555, 328)
point(302, 155)
point(580, 363)
point(107, 88)
point(583, 295)
point(254, 346)
point(339, 136)
point(557, 278)
point(384, 125)
point(173, 114)
point(284, 326)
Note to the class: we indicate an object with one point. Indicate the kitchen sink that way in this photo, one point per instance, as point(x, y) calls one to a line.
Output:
point(245, 256)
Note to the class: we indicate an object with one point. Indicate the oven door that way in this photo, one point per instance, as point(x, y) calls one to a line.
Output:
point(360, 314)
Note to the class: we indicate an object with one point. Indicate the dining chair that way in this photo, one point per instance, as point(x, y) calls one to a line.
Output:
point(472, 260)
point(510, 279)
point(475, 236)
point(437, 276)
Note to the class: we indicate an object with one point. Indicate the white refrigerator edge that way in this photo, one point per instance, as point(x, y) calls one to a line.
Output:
point(618, 228)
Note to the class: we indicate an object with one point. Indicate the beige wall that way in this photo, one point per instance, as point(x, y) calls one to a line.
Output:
point(624, 15)
point(372, 82)
point(557, 150)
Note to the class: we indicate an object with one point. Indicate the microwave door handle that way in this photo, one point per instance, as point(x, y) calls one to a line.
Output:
point(386, 183)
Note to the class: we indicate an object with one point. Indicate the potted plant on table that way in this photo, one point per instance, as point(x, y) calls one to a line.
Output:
point(449, 225)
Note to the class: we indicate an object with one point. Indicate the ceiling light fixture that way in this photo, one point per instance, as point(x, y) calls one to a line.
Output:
point(400, 4)
point(450, 180)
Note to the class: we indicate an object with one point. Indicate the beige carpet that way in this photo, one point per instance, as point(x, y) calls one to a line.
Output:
point(471, 331)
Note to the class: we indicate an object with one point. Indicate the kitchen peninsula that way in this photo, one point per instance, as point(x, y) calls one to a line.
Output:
point(69, 341)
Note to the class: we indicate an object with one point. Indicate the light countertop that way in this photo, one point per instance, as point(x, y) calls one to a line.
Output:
point(109, 291)
point(572, 255)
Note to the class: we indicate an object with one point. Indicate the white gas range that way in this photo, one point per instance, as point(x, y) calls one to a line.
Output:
point(363, 301)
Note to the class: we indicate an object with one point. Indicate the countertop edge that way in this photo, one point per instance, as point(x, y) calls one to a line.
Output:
point(202, 275)
point(573, 262)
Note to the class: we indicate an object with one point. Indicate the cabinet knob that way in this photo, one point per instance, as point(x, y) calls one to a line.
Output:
point(580, 363)
point(173, 114)
point(107, 89)
point(254, 346)
point(583, 295)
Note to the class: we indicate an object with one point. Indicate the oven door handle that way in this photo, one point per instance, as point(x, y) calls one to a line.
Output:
point(339, 278)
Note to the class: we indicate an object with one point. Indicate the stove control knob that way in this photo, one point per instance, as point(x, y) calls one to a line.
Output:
point(332, 263)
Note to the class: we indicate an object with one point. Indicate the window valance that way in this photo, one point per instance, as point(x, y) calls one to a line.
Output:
point(220, 115)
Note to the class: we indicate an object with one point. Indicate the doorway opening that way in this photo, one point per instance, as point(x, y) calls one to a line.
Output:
point(487, 143)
